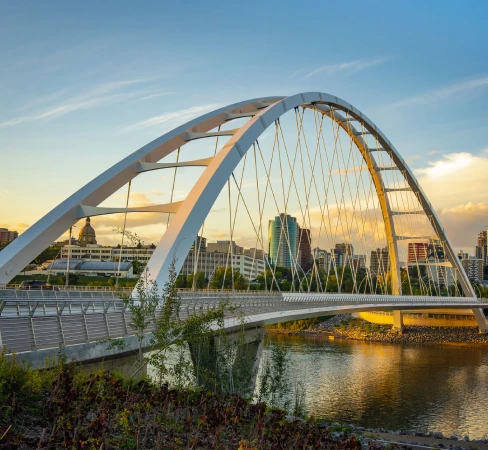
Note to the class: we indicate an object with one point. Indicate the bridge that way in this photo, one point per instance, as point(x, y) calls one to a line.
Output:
point(323, 175)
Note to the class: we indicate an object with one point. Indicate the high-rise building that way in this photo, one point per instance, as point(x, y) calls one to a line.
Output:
point(473, 268)
point(417, 252)
point(7, 236)
point(462, 255)
point(482, 251)
point(435, 252)
point(208, 262)
point(380, 262)
point(322, 259)
point(359, 261)
point(257, 253)
point(347, 251)
point(482, 247)
point(201, 244)
point(305, 250)
point(283, 241)
point(224, 247)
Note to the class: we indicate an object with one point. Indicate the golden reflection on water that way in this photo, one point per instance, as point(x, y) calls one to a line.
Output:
point(423, 388)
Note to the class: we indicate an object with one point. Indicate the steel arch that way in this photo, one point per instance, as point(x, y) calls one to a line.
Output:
point(177, 240)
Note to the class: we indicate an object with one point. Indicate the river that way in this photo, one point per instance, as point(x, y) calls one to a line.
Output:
point(424, 388)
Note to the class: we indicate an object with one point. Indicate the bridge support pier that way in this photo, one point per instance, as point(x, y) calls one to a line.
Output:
point(229, 363)
point(398, 321)
point(480, 320)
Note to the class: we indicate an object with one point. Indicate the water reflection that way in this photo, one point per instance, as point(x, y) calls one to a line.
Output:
point(395, 387)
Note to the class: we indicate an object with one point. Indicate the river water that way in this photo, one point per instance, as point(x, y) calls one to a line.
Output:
point(421, 388)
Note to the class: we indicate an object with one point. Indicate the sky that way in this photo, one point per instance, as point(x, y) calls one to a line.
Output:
point(84, 84)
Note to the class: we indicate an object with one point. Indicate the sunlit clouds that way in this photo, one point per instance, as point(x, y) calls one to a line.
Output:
point(456, 185)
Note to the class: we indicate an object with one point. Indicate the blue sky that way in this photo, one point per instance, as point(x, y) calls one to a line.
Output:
point(84, 84)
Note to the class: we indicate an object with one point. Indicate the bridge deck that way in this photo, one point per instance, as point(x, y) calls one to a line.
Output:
point(35, 320)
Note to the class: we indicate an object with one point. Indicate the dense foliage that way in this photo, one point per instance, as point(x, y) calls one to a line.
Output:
point(294, 325)
point(67, 408)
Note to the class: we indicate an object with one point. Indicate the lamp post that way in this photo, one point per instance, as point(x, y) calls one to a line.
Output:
point(69, 254)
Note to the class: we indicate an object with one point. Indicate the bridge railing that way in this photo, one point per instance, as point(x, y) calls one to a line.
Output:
point(37, 321)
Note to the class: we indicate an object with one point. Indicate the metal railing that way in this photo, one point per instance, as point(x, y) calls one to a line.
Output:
point(34, 320)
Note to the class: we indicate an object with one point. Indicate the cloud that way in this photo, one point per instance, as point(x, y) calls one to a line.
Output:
point(172, 119)
point(111, 221)
point(455, 179)
point(464, 222)
point(347, 67)
point(19, 226)
point(103, 94)
point(448, 165)
point(444, 93)
point(220, 235)
point(456, 185)
point(156, 94)
point(297, 72)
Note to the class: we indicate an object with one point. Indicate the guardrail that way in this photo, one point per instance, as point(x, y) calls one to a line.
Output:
point(37, 321)
point(127, 290)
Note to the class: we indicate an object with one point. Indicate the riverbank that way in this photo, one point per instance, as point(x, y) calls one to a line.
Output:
point(345, 326)
point(418, 440)
point(67, 408)
point(64, 407)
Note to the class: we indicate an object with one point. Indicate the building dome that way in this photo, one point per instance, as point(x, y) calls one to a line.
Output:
point(87, 234)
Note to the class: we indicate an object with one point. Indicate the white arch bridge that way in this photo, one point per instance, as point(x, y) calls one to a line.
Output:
point(348, 226)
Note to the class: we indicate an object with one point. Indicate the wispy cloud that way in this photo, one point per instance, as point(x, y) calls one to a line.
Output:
point(443, 93)
point(348, 66)
point(172, 119)
point(296, 73)
point(156, 94)
point(103, 94)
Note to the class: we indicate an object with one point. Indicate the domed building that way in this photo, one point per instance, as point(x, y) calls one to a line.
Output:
point(87, 234)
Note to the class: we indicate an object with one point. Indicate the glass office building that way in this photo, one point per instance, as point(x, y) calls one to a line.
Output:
point(283, 233)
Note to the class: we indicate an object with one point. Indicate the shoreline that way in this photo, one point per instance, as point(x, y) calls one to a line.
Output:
point(355, 329)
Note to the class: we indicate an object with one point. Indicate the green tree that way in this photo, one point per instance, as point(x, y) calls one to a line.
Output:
point(173, 333)
point(73, 279)
point(46, 255)
point(142, 308)
point(222, 278)
point(181, 281)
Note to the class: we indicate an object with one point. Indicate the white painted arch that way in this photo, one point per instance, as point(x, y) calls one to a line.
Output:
point(178, 238)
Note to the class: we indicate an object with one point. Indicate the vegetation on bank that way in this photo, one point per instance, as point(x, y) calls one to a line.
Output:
point(294, 326)
point(77, 280)
point(63, 407)
point(211, 401)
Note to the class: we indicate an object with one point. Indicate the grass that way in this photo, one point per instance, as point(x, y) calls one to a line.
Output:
point(80, 280)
